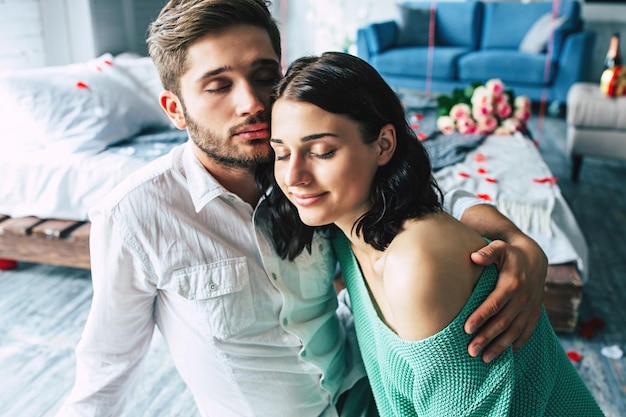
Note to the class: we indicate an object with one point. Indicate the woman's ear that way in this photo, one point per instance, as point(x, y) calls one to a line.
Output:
point(173, 108)
point(386, 144)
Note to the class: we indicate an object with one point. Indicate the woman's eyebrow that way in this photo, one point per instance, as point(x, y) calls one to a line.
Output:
point(307, 138)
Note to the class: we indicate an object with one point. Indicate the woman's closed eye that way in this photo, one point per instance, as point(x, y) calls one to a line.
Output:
point(325, 155)
point(283, 155)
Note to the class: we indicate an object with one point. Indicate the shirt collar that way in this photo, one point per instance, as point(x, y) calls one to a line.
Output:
point(203, 187)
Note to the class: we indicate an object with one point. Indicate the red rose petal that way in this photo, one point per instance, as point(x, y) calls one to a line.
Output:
point(422, 136)
point(80, 84)
point(586, 332)
point(549, 180)
point(593, 324)
point(574, 356)
point(480, 157)
point(418, 116)
point(481, 170)
point(484, 197)
point(415, 126)
point(491, 180)
point(598, 323)
point(464, 174)
point(108, 62)
point(6, 264)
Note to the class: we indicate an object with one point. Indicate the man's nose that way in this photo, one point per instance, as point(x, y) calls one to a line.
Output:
point(250, 101)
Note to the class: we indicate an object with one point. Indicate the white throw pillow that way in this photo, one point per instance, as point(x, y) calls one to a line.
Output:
point(74, 108)
point(536, 39)
point(143, 71)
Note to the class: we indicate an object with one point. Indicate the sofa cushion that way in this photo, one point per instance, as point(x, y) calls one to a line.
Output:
point(512, 67)
point(413, 61)
point(589, 108)
point(381, 36)
point(413, 26)
point(536, 39)
point(457, 23)
point(505, 24)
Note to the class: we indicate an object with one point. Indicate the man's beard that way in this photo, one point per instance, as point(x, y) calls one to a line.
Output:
point(222, 151)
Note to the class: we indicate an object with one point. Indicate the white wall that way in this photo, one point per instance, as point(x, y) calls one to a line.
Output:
point(315, 26)
point(21, 35)
point(34, 33)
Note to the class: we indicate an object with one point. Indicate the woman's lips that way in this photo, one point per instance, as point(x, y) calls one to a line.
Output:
point(307, 200)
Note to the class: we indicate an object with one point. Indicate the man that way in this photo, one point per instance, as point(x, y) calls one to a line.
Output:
point(184, 244)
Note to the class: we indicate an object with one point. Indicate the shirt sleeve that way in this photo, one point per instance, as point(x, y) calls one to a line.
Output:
point(356, 367)
point(456, 201)
point(119, 326)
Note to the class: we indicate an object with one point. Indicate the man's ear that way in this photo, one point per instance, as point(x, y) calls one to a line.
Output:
point(173, 108)
point(386, 144)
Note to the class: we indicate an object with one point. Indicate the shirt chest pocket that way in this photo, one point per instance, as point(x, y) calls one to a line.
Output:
point(218, 296)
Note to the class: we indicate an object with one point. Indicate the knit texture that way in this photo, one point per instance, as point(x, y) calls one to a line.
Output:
point(437, 377)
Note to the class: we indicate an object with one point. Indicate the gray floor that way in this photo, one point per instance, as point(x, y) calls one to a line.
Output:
point(43, 308)
point(598, 201)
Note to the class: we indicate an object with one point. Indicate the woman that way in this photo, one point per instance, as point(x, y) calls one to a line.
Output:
point(347, 161)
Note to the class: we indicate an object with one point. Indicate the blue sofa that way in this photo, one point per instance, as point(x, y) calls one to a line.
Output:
point(476, 41)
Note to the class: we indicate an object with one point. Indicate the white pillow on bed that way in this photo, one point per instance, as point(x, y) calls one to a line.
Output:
point(74, 108)
point(143, 71)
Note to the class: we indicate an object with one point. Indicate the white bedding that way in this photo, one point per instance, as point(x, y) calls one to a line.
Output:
point(65, 186)
point(65, 145)
point(510, 172)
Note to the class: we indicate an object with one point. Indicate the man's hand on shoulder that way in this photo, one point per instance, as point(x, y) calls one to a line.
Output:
point(510, 313)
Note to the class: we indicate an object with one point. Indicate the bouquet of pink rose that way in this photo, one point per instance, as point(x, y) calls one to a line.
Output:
point(478, 108)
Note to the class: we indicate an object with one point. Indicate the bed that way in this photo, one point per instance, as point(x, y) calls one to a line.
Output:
point(509, 172)
point(65, 161)
point(72, 133)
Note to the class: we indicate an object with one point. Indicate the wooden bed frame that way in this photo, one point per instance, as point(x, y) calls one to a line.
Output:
point(46, 241)
point(66, 243)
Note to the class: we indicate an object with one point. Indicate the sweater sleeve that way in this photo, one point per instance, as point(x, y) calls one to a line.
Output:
point(453, 383)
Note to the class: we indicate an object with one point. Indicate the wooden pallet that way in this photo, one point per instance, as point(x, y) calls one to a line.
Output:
point(66, 243)
point(46, 241)
point(563, 293)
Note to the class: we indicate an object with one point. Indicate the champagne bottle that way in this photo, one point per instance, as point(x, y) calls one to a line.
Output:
point(613, 79)
point(613, 58)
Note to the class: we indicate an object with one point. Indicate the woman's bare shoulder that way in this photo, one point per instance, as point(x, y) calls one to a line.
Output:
point(428, 275)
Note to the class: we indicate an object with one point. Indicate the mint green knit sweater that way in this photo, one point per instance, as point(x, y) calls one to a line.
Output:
point(437, 377)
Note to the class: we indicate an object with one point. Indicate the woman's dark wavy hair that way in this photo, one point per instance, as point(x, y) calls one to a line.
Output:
point(402, 189)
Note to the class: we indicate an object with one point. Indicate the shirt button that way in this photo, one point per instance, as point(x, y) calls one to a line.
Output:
point(213, 286)
point(285, 322)
point(274, 276)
